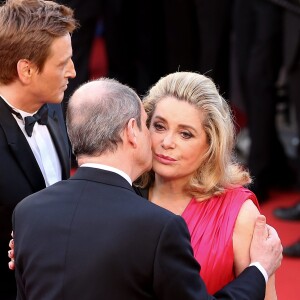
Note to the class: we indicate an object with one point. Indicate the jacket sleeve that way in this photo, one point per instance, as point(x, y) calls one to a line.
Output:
point(176, 272)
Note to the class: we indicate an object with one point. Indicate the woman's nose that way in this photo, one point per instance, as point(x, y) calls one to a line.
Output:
point(168, 141)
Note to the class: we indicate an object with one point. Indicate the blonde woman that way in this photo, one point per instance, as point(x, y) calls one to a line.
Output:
point(195, 175)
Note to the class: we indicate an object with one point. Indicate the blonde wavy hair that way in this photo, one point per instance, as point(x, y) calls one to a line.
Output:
point(219, 169)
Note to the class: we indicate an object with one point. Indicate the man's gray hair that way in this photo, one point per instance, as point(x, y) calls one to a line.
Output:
point(96, 121)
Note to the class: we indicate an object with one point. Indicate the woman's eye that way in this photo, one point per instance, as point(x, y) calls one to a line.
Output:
point(186, 134)
point(158, 126)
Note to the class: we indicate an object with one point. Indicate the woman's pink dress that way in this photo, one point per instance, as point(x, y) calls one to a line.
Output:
point(211, 225)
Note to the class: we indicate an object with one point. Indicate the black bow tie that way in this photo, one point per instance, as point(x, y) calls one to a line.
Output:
point(41, 116)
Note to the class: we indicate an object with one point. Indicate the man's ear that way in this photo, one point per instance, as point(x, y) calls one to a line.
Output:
point(25, 70)
point(132, 132)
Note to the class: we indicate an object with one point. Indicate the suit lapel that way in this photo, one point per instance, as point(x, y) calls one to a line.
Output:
point(59, 142)
point(20, 148)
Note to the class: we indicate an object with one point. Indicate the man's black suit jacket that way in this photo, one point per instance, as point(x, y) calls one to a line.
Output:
point(20, 174)
point(92, 237)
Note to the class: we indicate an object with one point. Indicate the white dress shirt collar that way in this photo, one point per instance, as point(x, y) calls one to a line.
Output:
point(108, 168)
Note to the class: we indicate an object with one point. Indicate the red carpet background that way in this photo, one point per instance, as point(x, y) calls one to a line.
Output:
point(288, 275)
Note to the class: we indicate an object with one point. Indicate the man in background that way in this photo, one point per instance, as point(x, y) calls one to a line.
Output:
point(36, 66)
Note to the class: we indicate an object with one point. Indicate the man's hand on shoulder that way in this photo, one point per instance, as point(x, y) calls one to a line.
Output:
point(266, 246)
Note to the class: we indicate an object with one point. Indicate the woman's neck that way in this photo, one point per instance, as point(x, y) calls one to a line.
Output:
point(170, 195)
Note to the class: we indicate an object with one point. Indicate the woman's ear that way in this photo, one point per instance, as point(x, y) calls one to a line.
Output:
point(25, 70)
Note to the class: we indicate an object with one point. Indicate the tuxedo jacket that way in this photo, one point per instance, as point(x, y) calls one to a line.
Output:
point(20, 174)
point(92, 237)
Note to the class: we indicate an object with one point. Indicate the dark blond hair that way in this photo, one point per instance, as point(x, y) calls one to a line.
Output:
point(27, 30)
point(219, 170)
